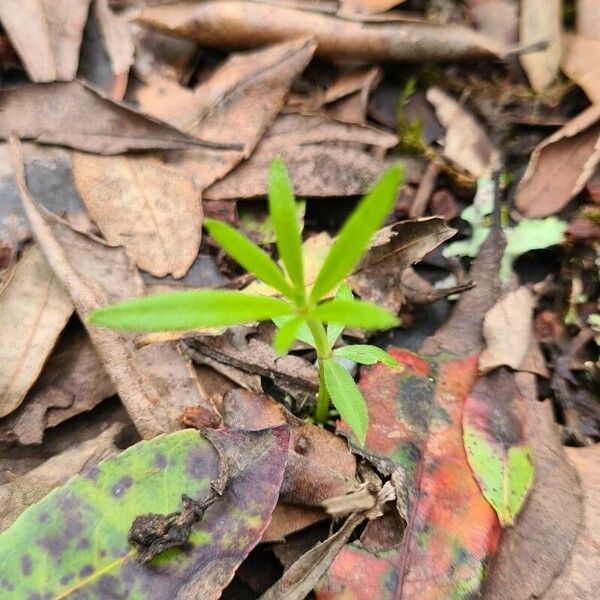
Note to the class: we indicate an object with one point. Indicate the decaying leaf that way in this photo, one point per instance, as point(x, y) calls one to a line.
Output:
point(240, 24)
point(79, 531)
point(550, 181)
point(145, 205)
point(535, 550)
point(46, 35)
point(466, 142)
point(497, 18)
point(507, 329)
point(34, 308)
point(24, 490)
point(579, 65)
point(495, 442)
point(541, 21)
point(319, 465)
point(581, 576)
point(72, 381)
point(72, 114)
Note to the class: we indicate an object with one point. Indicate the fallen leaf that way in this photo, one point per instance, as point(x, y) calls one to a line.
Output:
point(507, 329)
point(249, 24)
point(148, 207)
point(72, 114)
point(288, 519)
point(535, 550)
point(368, 6)
point(72, 381)
point(581, 578)
point(541, 21)
point(23, 491)
point(578, 63)
point(46, 35)
point(498, 19)
point(588, 18)
point(77, 530)
point(316, 151)
point(466, 142)
point(549, 181)
point(319, 464)
point(494, 431)
point(34, 309)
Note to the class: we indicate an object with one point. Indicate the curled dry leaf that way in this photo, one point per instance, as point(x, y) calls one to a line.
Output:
point(74, 115)
point(34, 308)
point(84, 537)
point(579, 64)
point(550, 181)
point(541, 21)
point(239, 24)
point(46, 35)
point(23, 491)
point(319, 464)
point(535, 550)
point(148, 207)
point(466, 143)
point(73, 381)
point(508, 332)
point(581, 576)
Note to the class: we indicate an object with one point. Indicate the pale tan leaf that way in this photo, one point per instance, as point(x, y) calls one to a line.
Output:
point(117, 39)
point(34, 308)
point(561, 165)
point(245, 24)
point(368, 6)
point(541, 21)
point(466, 143)
point(588, 18)
point(580, 63)
point(507, 329)
point(72, 114)
point(497, 18)
point(148, 207)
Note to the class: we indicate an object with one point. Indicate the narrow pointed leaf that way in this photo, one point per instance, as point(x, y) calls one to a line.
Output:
point(283, 211)
point(286, 334)
point(248, 255)
point(494, 435)
point(355, 313)
point(356, 233)
point(334, 330)
point(303, 334)
point(347, 399)
point(188, 310)
point(366, 354)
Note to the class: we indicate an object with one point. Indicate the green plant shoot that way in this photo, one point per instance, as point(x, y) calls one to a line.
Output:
point(315, 318)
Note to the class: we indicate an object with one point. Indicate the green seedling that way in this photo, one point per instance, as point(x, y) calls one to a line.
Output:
point(310, 315)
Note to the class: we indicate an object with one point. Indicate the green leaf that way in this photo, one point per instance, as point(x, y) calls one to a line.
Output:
point(303, 334)
point(347, 399)
point(283, 211)
point(73, 543)
point(366, 355)
point(356, 233)
point(355, 313)
point(248, 255)
point(188, 310)
point(286, 334)
point(334, 330)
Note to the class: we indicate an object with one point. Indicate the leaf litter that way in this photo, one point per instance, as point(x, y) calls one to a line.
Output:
point(463, 487)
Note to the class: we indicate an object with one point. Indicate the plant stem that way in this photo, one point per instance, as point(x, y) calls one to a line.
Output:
point(323, 352)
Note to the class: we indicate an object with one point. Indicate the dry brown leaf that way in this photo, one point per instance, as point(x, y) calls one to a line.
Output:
point(73, 381)
point(580, 63)
point(535, 550)
point(155, 383)
point(561, 165)
point(316, 151)
point(588, 18)
point(507, 329)
point(72, 114)
point(497, 18)
point(319, 465)
point(581, 577)
point(144, 205)
point(239, 24)
point(34, 308)
point(22, 491)
point(288, 519)
point(466, 143)
point(541, 21)
point(46, 35)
